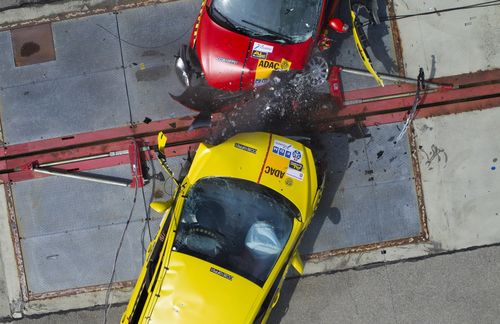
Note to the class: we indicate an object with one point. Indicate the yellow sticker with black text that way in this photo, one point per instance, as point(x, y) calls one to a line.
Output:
point(266, 67)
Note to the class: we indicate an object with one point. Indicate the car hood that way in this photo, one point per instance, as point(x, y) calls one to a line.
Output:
point(233, 61)
point(222, 54)
point(277, 162)
point(195, 291)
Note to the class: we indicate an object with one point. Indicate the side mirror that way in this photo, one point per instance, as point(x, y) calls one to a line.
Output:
point(338, 25)
point(297, 263)
point(161, 206)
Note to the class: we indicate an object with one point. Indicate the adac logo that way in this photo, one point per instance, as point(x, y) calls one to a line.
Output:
point(274, 172)
point(284, 65)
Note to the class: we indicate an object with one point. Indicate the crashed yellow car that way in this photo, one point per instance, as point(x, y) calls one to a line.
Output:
point(230, 234)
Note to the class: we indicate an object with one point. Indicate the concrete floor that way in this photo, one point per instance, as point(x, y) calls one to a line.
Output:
point(456, 288)
point(459, 158)
point(449, 43)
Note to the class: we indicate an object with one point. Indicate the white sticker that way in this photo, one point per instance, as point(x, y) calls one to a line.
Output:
point(287, 151)
point(283, 149)
point(295, 170)
point(262, 47)
point(295, 174)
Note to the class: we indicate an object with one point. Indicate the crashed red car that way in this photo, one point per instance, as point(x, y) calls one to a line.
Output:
point(236, 44)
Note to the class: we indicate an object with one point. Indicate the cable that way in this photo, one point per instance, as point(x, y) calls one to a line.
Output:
point(107, 304)
point(147, 209)
point(477, 5)
point(141, 46)
point(169, 192)
point(147, 47)
point(146, 226)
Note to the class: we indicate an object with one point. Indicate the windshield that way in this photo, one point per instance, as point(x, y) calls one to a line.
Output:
point(290, 21)
point(236, 224)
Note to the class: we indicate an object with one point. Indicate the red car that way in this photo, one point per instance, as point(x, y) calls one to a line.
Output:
point(236, 44)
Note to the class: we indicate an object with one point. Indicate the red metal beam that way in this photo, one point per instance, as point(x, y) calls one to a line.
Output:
point(28, 174)
point(102, 142)
point(138, 130)
point(380, 91)
point(470, 91)
point(474, 91)
point(461, 80)
point(470, 78)
point(400, 116)
point(435, 98)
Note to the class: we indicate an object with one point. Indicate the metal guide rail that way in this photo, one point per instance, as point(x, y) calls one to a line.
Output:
point(364, 107)
point(391, 103)
point(95, 150)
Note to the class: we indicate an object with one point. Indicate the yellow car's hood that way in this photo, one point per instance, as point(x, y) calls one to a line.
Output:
point(195, 291)
point(277, 162)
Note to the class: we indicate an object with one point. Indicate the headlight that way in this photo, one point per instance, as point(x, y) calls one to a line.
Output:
point(182, 71)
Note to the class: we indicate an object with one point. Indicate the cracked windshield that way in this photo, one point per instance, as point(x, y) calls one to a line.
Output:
point(291, 21)
point(236, 224)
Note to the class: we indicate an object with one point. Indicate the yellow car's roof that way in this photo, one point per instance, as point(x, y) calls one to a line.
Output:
point(195, 291)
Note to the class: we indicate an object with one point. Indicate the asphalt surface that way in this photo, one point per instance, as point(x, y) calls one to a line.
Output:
point(462, 287)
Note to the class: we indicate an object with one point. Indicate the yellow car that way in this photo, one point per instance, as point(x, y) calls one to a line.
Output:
point(230, 234)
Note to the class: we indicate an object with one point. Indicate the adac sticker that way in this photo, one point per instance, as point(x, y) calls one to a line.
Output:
point(284, 65)
point(278, 162)
point(274, 172)
point(266, 67)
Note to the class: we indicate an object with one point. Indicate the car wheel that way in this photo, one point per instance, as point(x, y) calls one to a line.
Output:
point(315, 73)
